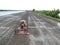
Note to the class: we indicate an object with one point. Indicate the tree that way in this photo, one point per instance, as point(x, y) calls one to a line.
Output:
point(33, 9)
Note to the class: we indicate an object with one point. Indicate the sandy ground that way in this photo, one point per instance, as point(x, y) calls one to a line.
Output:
point(43, 31)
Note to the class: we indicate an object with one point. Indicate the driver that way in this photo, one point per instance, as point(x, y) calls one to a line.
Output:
point(23, 23)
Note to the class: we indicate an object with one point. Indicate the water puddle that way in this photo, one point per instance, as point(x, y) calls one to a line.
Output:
point(58, 24)
point(2, 13)
point(4, 27)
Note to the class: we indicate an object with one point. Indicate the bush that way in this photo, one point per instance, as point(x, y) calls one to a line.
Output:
point(53, 13)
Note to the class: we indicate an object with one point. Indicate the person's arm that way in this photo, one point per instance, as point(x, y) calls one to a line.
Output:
point(25, 24)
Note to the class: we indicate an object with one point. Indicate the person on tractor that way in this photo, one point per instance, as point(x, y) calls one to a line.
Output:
point(23, 27)
point(23, 24)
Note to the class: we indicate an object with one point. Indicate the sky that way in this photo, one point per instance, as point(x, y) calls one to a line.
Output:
point(29, 4)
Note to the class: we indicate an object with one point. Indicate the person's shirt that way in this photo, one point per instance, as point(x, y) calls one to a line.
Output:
point(23, 22)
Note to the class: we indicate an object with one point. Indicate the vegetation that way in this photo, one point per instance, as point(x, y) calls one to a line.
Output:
point(8, 10)
point(33, 9)
point(50, 13)
point(53, 13)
